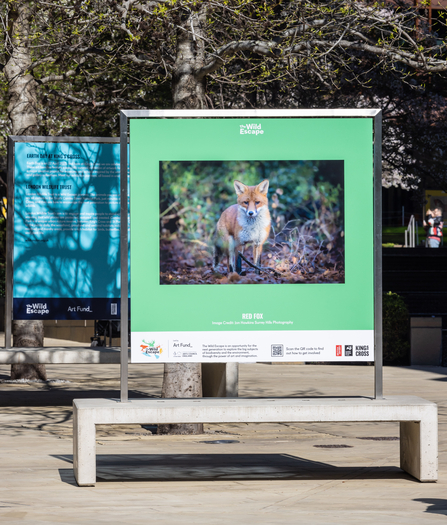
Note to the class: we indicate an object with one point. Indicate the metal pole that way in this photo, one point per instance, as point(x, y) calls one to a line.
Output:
point(414, 232)
point(124, 358)
point(9, 244)
point(378, 289)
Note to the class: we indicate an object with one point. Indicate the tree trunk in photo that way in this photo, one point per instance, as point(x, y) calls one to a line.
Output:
point(22, 110)
point(182, 380)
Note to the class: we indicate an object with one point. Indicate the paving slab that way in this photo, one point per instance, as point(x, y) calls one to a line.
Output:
point(315, 473)
point(59, 351)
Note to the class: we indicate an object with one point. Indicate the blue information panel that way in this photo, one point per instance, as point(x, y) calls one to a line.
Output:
point(66, 231)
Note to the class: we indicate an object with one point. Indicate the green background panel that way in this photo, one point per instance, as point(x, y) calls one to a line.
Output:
point(171, 308)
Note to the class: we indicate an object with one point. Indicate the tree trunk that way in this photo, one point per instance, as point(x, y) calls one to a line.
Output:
point(188, 88)
point(22, 97)
point(188, 91)
point(22, 110)
point(182, 380)
point(28, 334)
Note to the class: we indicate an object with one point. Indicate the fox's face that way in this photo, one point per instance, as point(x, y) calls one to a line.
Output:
point(251, 199)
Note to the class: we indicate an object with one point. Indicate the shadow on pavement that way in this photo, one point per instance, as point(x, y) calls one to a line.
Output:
point(437, 506)
point(51, 397)
point(228, 467)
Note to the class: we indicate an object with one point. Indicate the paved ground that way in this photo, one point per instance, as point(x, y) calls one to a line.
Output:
point(266, 474)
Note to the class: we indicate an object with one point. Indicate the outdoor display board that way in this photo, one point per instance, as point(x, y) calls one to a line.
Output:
point(313, 298)
point(66, 229)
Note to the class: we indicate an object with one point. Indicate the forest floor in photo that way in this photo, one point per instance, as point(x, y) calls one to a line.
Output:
point(192, 263)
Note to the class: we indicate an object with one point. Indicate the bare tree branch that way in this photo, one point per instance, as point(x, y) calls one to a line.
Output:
point(253, 46)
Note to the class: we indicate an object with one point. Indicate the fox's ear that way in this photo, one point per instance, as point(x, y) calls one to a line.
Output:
point(239, 187)
point(263, 187)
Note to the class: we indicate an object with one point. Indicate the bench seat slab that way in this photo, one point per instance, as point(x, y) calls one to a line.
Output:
point(417, 418)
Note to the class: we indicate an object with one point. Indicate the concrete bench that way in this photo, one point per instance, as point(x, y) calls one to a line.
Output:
point(418, 422)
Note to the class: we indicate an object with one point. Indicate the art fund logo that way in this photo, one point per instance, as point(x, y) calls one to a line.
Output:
point(37, 308)
point(251, 129)
point(150, 349)
point(79, 309)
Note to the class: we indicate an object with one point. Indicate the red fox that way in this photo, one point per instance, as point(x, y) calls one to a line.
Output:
point(248, 221)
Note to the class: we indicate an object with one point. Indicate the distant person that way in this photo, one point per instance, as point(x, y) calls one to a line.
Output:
point(433, 225)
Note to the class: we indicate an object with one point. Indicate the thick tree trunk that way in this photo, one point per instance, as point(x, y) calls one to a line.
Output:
point(188, 88)
point(182, 380)
point(188, 91)
point(22, 107)
point(28, 334)
point(22, 110)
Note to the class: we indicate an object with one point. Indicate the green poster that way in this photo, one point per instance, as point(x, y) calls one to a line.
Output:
point(251, 239)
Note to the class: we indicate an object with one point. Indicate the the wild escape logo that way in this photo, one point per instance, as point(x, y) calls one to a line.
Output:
point(37, 308)
point(251, 129)
point(150, 349)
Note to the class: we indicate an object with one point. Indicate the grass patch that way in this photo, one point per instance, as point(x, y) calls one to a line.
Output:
point(396, 235)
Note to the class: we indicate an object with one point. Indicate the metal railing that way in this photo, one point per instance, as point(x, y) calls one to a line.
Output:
point(410, 234)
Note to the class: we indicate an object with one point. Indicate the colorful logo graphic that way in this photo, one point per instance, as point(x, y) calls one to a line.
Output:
point(338, 350)
point(150, 349)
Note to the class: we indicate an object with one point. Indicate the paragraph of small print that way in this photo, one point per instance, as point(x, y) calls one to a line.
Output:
point(277, 350)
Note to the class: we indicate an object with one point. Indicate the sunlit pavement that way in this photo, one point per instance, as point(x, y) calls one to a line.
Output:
point(265, 473)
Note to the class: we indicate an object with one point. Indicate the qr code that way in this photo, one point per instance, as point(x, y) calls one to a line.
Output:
point(114, 309)
point(277, 351)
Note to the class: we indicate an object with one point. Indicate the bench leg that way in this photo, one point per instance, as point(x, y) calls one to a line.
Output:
point(419, 448)
point(84, 448)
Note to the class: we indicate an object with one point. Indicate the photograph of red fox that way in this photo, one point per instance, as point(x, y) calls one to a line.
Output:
point(247, 222)
point(252, 222)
